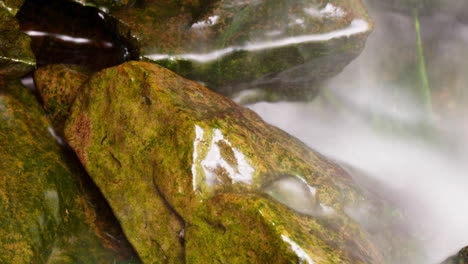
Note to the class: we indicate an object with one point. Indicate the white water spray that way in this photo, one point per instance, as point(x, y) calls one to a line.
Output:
point(430, 179)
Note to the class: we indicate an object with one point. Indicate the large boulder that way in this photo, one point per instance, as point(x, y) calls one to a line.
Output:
point(16, 57)
point(193, 177)
point(45, 216)
point(281, 46)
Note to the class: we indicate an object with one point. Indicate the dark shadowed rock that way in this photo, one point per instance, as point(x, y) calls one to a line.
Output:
point(74, 35)
point(107, 4)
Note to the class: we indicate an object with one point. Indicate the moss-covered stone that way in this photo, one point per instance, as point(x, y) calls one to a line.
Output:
point(16, 57)
point(12, 6)
point(281, 45)
point(58, 85)
point(460, 258)
point(189, 175)
point(45, 218)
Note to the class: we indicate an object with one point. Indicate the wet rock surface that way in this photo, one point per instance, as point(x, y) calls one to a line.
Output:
point(58, 85)
point(76, 35)
point(45, 217)
point(107, 4)
point(16, 57)
point(12, 6)
point(235, 45)
point(191, 177)
point(194, 6)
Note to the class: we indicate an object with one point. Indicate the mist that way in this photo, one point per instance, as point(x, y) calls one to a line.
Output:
point(371, 117)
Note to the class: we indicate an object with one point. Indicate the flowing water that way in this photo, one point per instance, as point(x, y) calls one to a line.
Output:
point(377, 115)
point(371, 116)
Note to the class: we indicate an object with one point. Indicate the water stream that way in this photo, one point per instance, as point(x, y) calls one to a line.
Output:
point(399, 112)
point(369, 116)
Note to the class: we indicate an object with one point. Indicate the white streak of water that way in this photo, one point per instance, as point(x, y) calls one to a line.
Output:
point(298, 250)
point(356, 26)
point(57, 138)
point(211, 21)
point(328, 11)
point(66, 38)
point(213, 160)
point(199, 133)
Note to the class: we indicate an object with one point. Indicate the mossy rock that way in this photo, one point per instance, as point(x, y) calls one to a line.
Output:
point(58, 85)
point(284, 46)
point(45, 218)
point(16, 57)
point(192, 176)
point(460, 258)
point(12, 6)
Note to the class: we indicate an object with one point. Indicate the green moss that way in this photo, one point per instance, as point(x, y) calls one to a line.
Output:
point(12, 6)
point(216, 235)
point(58, 86)
point(43, 219)
point(146, 137)
point(16, 57)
